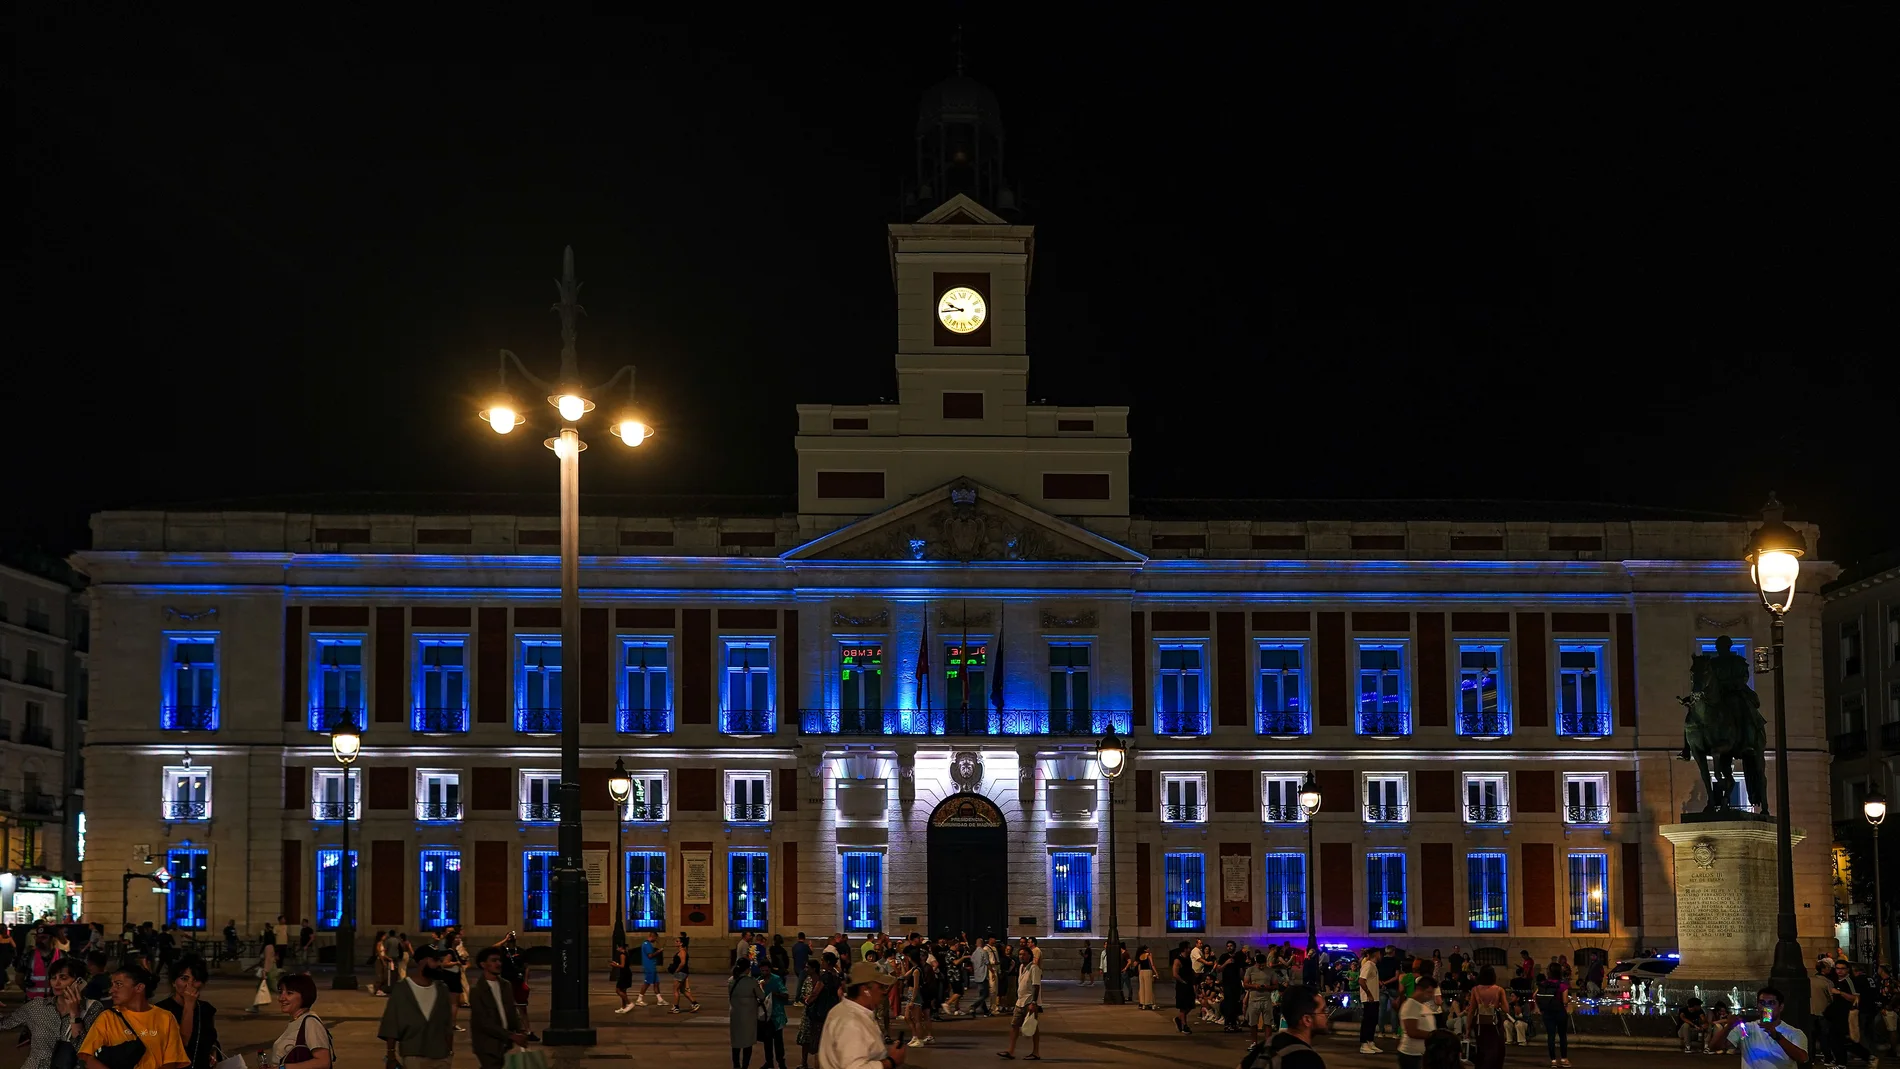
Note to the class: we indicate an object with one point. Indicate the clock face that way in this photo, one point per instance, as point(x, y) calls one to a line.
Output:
point(961, 309)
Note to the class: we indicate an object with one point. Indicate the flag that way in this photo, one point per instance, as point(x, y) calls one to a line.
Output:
point(963, 658)
point(995, 666)
point(923, 662)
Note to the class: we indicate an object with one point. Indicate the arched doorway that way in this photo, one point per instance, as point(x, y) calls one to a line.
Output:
point(969, 868)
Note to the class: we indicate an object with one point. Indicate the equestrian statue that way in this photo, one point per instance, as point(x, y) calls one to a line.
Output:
point(1723, 724)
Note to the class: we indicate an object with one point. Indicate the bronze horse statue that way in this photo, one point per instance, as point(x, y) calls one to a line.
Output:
point(1723, 725)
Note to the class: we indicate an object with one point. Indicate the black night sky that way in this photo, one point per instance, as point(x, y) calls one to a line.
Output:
point(1471, 254)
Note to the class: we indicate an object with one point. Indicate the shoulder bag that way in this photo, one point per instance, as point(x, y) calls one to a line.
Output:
point(123, 1055)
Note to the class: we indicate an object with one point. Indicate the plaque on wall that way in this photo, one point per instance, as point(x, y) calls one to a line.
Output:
point(595, 862)
point(696, 877)
point(968, 811)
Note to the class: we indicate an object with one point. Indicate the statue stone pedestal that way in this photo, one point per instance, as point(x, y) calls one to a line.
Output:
point(1726, 899)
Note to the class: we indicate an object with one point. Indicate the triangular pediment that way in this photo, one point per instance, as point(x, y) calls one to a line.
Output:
point(964, 520)
point(960, 210)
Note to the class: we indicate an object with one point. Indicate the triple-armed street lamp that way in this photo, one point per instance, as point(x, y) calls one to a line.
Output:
point(572, 401)
point(346, 741)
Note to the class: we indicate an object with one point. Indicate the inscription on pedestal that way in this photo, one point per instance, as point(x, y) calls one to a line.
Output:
point(1711, 909)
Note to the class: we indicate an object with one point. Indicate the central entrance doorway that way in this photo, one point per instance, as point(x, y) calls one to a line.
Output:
point(969, 868)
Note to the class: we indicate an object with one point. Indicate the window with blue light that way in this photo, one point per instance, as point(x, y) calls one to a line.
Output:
point(1583, 693)
point(186, 904)
point(330, 887)
point(441, 887)
point(1488, 890)
point(646, 890)
point(1484, 708)
point(1285, 891)
point(441, 685)
point(537, 889)
point(1181, 689)
point(1071, 892)
point(336, 683)
point(538, 687)
point(1280, 691)
point(1589, 892)
point(1384, 696)
point(748, 879)
point(646, 686)
point(1385, 891)
point(746, 702)
point(1069, 689)
point(861, 688)
point(1184, 891)
point(863, 890)
point(190, 682)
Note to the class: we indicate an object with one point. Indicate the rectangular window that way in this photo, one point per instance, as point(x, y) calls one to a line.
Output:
point(538, 687)
point(1487, 800)
point(1281, 706)
point(185, 794)
point(1583, 692)
point(441, 685)
point(1385, 891)
point(1183, 797)
point(861, 688)
point(646, 890)
point(330, 887)
point(1384, 697)
point(1181, 689)
point(1484, 708)
point(748, 797)
point(438, 795)
point(336, 683)
point(335, 794)
point(1280, 798)
point(863, 891)
point(1386, 801)
point(191, 682)
point(1850, 649)
point(966, 697)
point(186, 904)
point(1184, 886)
point(647, 800)
point(1071, 891)
point(747, 708)
point(1488, 891)
point(537, 889)
point(1069, 689)
point(748, 883)
point(540, 797)
point(646, 687)
point(441, 885)
point(1589, 879)
point(1286, 892)
point(1586, 798)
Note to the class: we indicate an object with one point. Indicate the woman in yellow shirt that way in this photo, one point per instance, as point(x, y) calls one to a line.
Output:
point(132, 1016)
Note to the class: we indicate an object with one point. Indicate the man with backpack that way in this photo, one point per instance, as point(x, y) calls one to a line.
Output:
point(1292, 1046)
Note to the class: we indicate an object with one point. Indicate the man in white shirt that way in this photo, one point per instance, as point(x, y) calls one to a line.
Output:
point(851, 1038)
point(980, 974)
point(1768, 1040)
point(1368, 1001)
point(1028, 1004)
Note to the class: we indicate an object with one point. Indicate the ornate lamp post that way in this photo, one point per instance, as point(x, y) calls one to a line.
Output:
point(1874, 808)
point(346, 742)
point(619, 787)
point(159, 877)
point(568, 1023)
point(1774, 559)
point(1111, 756)
point(1309, 808)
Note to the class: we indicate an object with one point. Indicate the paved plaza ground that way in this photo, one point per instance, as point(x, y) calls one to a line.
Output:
point(1077, 1030)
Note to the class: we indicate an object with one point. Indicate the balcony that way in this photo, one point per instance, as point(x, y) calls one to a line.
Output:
point(1487, 814)
point(188, 718)
point(1890, 736)
point(38, 677)
point(964, 721)
point(540, 812)
point(1178, 813)
point(1586, 814)
point(433, 721)
point(637, 721)
point(748, 812)
point(39, 621)
point(333, 811)
point(1385, 725)
point(328, 718)
point(747, 722)
point(1281, 814)
point(37, 735)
point(438, 810)
point(40, 805)
point(646, 812)
point(1387, 814)
point(1484, 725)
point(1292, 724)
point(184, 811)
point(1084, 722)
point(1181, 722)
point(538, 720)
point(1583, 725)
point(1848, 743)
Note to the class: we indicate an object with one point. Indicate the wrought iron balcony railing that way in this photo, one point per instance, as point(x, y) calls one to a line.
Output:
point(1848, 744)
point(747, 722)
point(1181, 722)
point(537, 720)
point(975, 720)
point(1388, 814)
point(1583, 725)
point(865, 723)
point(38, 677)
point(438, 810)
point(1487, 814)
point(180, 811)
point(37, 736)
point(1178, 813)
point(188, 718)
point(748, 812)
point(1283, 725)
point(333, 811)
point(540, 812)
point(450, 720)
point(1587, 814)
point(328, 718)
point(640, 721)
point(1282, 814)
point(1489, 724)
point(646, 812)
point(1385, 725)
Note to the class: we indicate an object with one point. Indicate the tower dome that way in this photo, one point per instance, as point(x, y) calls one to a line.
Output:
point(959, 148)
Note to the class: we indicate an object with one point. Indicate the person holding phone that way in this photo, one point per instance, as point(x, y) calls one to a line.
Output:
point(1765, 1039)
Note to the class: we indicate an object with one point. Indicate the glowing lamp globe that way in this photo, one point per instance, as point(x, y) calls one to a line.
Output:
point(1309, 798)
point(1874, 808)
point(1774, 558)
point(620, 785)
point(346, 742)
point(1111, 754)
point(571, 404)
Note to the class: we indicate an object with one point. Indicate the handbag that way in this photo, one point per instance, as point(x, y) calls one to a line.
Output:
point(123, 1055)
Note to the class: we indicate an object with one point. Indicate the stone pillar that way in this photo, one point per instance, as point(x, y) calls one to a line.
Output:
point(1725, 898)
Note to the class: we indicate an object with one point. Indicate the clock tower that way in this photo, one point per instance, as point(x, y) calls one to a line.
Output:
point(961, 265)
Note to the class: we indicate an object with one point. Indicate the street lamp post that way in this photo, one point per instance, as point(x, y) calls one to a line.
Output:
point(345, 743)
point(159, 877)
point(619, 787)
point(1874, 808)
point(1111, 756)
point(568, 1022)
point(1774, 559)
point(1310, 800)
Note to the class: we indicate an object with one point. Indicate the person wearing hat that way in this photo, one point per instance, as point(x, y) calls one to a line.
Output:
point(419, 1018)
point(852, 1039)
